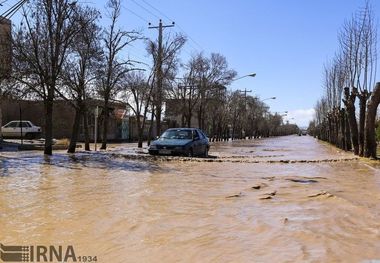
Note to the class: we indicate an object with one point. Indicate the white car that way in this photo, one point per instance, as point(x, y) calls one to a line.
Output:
point(14, 129)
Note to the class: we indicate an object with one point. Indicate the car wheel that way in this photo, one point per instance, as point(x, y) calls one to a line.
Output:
point(190, 153)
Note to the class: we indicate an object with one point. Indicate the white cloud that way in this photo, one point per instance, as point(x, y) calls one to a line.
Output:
point(301, 117)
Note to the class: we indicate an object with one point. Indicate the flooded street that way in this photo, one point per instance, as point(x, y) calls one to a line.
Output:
point(287, 199)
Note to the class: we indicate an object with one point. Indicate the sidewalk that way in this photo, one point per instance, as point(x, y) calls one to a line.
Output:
point(12, 145)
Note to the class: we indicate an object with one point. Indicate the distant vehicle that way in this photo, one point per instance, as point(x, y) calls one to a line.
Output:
point(13, 130)
point(181, 141)
point(302, 132)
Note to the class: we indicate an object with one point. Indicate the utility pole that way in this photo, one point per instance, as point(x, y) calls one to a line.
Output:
point(159, 75)
point(245, 91)
point(245, 108)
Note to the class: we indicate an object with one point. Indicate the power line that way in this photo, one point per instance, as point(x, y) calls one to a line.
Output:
point(11, 11)
point(161, 13)
point(167, 17)
point(137, 15)
point(147, 10)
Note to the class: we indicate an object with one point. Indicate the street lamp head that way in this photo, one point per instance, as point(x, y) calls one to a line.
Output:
point(271, 98)
point(248, 75)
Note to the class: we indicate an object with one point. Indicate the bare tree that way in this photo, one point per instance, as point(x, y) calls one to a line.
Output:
point(358, 41)
point(140, 92)
point(167, 60)
point(211, 73)
point(187, 91)
point(113, 69)
point(5, 61)
point(79, 72)
point(40, 48)
point(370, 132)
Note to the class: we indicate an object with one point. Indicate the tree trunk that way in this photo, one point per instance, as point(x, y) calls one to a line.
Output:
point(370, 121)
point(75, 131)
point(189, 119)
point(158, 120)
point(342, 130)
point(105, 125)
point(347, 133)
point(86, 130)
point(200, 112)
point(349, 102)
point(183, 119)
point(363, 97)
point(151, 127)
point(140, 132)
point(48, 126)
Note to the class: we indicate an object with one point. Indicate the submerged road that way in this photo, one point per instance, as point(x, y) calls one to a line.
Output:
point(287, 199)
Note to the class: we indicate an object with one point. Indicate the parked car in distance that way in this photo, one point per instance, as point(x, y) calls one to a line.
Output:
point(14, 129)
point(181, 141)
point(302, 132)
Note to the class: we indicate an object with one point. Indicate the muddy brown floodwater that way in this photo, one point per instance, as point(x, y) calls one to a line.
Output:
point(288, 199)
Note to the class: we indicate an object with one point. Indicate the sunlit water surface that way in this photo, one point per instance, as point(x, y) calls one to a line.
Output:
point(124, 210)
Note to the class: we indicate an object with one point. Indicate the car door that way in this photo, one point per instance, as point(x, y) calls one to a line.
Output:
point(203, 142)
point(197, 143)
point(10, 129)
point(26, 128)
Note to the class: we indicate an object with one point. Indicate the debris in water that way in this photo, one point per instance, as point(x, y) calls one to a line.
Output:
point(237, 195)
point(269, 178)
point(303, 181)
point(323, 193)
point(266, 197)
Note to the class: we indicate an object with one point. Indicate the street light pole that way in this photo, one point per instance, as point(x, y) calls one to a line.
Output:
point(245, 105)
point(245, 94)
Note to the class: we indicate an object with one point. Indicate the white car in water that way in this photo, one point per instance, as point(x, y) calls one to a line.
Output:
point(18, 129)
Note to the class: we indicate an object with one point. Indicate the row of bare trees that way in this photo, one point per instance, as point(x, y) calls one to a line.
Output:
point(224, 114)
point(200, 98)
point(346, 114)
point(61, 51)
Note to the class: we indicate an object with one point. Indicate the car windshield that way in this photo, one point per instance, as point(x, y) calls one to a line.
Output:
point(177, 134)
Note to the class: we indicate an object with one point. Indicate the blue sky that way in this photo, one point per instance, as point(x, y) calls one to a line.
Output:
point(286, 42)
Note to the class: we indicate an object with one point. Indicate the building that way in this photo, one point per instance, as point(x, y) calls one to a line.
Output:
point(63, 117)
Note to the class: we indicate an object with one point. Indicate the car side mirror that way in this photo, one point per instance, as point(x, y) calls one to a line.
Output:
point(196, 138)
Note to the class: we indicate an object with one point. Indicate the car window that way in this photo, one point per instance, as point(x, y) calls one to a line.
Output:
point(12, 124)
point(177, 134)
point(25, 124)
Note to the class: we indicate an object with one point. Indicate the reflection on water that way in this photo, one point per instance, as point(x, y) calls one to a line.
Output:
point(147, 211)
